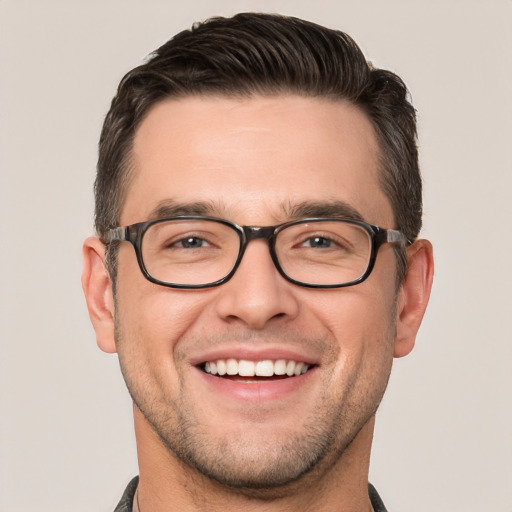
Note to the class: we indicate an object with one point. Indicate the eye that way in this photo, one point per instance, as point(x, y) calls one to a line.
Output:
point(317, 242)
point(191, 242)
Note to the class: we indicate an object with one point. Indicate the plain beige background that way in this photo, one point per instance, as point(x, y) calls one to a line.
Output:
point(444, 431)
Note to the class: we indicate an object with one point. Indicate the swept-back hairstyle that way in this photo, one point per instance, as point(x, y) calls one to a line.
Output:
point(262, 54)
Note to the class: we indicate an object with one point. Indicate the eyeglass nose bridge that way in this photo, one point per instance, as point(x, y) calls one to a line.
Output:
point(267, 233)
point(255, 232)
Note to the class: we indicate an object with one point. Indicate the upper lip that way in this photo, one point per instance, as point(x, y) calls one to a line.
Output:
point(252, 353)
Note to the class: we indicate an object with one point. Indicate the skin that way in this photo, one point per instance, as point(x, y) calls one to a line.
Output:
point(307, 446)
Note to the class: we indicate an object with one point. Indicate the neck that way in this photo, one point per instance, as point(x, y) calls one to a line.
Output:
point(167, 484)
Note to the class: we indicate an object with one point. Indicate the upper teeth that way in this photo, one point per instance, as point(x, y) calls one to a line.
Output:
point(265, 368)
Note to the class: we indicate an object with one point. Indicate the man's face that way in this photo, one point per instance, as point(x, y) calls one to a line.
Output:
point(255, 162)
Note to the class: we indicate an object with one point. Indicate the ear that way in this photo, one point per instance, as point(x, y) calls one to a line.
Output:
point(97, 288)
point(413, 295)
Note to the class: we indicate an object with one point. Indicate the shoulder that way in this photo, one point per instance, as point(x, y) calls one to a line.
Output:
point(377, 504)
point(126, 503)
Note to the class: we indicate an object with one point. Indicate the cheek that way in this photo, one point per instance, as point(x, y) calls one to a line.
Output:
point(361, 321)
point(363, 332)
point(150, 322)
point(151, 318)
point(355, 311)
point(158, 316)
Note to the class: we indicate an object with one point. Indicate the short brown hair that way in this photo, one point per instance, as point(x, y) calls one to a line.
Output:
point(262, 54)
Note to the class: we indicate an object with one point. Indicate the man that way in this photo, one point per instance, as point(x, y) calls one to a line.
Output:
point(239, 272)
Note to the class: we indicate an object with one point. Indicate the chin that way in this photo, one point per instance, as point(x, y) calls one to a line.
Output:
point(255, 463)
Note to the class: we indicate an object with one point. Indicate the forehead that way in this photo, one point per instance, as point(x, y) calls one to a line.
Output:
point(253, 159)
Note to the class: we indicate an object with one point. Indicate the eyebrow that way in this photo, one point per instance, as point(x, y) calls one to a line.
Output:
point(290, 211)
point(171, 208)
point(328, 209)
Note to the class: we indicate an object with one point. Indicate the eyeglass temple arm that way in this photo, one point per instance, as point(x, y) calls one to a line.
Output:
point(117, 235)
point(392, 236)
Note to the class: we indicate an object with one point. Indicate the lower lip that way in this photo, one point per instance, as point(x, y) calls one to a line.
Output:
point(258, 389)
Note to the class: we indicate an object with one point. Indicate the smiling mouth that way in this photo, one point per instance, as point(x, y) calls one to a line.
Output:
point(266, 369)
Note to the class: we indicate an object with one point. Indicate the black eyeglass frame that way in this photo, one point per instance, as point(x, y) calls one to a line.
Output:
point(135, 234)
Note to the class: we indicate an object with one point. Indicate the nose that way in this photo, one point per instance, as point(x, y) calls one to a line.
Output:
point(257, 294)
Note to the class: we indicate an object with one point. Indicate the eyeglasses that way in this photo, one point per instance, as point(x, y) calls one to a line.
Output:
point(201, 252)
